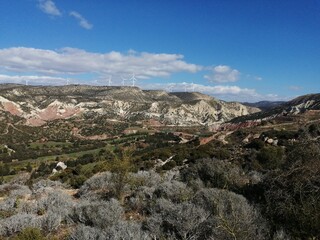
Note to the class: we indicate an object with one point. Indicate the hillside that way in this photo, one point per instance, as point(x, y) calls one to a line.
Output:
point(261, 182)
point(264, 105)
point(38, 105)
point(300, 107)
point(106, 163)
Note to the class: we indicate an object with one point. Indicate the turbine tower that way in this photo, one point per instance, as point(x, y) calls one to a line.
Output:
point(109, 81)
point(27, 81)
point(133, 79)
point(192, 86)
point(123, 79)
point(68, 81)
point(185, 86)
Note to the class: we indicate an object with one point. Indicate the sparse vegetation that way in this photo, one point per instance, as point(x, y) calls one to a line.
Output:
point(259, 182)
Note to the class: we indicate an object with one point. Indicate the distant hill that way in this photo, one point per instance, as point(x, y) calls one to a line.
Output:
point(38, 105)
point(264, 105)
point(299, 105)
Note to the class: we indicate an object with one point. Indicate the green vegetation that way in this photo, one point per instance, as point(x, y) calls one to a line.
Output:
point(271, 157)
point(29, 234)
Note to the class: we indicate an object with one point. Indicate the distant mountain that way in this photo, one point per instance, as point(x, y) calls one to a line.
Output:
point(264, 105)
point(302, 103)
point(38, 105)
point(299, 105)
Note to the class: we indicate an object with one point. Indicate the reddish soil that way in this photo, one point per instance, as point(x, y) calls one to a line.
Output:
point(11, 108)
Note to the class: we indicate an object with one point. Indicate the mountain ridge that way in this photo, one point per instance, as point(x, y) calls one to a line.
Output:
point(40, 104)
point(297, 106)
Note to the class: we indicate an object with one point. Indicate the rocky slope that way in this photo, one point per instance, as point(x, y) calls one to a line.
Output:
point(37, 105)
point(301, 106)
point(264, 105)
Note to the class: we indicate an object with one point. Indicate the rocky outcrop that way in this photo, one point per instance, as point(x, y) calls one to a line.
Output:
point(303, 106)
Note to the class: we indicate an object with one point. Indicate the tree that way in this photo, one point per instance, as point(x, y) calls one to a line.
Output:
point(120, 168)
point(29, 167)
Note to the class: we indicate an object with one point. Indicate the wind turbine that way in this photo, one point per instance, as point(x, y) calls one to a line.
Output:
point(109, 81)
point(68, 81)
point(170, 87)
point(192, 86)
point(27, 81)
point(185, 86)
point(123, 79)
point(133, 79)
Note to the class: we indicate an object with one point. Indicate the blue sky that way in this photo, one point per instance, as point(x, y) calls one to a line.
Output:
point(243, 50)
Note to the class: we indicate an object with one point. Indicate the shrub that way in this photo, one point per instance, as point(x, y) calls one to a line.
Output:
point(214, 149)
point(271, 157)
point(292, 198)
point(46, 185)
point(314, 130)
point(280, 235)
point(97, 214)
point(8, 204)
point(255, 144)
point(29, 234)
point(29, 167)
point(174, 190)
point(77, 181)
point(17, 223)
point(99, 186)
point(14, 190)
point(145, 178)
point(51, 221)
point(56, 201)
point(139, 202)
point(232, 217)
point(169, 165)
point(83, 232)
point(127, 230)
point(215, 173)
point(182, 220)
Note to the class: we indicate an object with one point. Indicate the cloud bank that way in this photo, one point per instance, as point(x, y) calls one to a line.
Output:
point(75, 61)
point(33, 79)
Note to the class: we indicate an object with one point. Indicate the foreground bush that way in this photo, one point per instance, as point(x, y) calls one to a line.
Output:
point(293, 198)
point(30, 234)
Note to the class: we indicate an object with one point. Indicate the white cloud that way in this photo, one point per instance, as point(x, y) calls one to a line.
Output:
point(295, 88)
point(82, 21)
point(76, 61)
point(49, 7)
point(223, 74)
point(33, 79)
